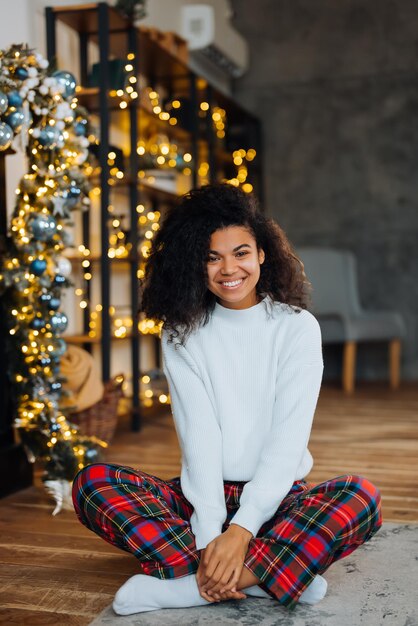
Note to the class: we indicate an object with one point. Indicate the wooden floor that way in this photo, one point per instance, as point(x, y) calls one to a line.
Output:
point(53, 571)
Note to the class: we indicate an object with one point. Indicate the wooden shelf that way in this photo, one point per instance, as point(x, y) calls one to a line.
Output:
point(159, 195)
point(156, 61)
point(80, 339)
point(77, 339)
point(149, 124)
point(84, 18)
point(153, 193)
point(96, 258)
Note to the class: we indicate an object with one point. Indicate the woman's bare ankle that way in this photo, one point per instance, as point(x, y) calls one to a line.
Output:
point(247, 579)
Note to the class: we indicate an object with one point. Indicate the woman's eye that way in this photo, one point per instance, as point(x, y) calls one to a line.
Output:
point(242, 253)
point(212, 258)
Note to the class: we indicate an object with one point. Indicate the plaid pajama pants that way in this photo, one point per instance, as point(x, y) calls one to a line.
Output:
point(314, 525)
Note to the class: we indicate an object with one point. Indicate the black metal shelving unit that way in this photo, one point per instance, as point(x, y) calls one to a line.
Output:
point(101, 22)
point(116, 37)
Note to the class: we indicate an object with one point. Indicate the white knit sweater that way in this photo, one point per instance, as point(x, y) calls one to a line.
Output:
point(243, 392)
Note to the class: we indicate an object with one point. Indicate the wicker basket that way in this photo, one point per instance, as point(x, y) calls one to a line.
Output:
point(101, 419)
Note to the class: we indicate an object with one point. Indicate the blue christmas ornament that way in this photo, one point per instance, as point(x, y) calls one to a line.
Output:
point(68, 81)
point(58, 322)
point(72, 196)
point(59, 280)
point(80, 128)
point(45, 360)
point(54, 304)
point(15, 120)
point(60, 347)
point(15, 99)
point(37, 267)
point(45, 298)
point(55, 386)
point(6, 136)
point(37, 323)
point(91, 455)
point(4, 103)
point(21, 73)
point(43, 226)
point(49, 136)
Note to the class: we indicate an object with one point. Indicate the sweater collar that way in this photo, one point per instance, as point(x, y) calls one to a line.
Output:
point(242, 315)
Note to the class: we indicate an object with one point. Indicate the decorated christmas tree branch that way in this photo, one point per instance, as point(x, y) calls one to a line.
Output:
point(39, 113)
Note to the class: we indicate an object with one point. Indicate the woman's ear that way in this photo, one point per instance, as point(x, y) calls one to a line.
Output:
point(261, 256)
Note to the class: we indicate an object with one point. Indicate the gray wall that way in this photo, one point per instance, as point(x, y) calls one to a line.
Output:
point(336, 85)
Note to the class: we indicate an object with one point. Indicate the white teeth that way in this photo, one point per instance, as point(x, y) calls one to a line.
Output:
point(233, 283)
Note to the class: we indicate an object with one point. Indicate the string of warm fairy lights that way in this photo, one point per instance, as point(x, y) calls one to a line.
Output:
point(154, 388)
point(151, 388)
point(158, 152)
point(240, 156)
point(120, 248)
point(162, 154)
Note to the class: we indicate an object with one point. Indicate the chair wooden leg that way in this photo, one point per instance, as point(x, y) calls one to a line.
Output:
point(395, 363)
point(349, 366)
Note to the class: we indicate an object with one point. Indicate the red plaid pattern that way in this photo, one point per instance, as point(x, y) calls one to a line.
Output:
point(314, 525)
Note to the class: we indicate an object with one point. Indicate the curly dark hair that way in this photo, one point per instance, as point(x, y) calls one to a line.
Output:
point(174, 289)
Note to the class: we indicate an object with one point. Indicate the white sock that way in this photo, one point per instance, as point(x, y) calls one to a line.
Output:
point(312, 594)
point(143, 593)
point(315, 592)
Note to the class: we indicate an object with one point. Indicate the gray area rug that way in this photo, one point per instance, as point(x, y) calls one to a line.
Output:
point(375, 586)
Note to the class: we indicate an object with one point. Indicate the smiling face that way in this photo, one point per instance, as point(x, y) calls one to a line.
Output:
point(233, 267)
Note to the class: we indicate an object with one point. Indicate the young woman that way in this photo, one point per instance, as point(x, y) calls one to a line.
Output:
point(243, 360)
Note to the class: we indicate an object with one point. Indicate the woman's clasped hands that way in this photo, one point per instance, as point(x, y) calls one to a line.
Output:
point(221, 565)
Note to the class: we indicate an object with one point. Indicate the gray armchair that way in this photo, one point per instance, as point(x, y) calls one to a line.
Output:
point(336, 305)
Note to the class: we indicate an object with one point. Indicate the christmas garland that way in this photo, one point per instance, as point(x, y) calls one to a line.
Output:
point(39, 113)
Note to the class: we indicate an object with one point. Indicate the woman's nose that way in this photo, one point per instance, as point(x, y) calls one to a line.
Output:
point(228, 266)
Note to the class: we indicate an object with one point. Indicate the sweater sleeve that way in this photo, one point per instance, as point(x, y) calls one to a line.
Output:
point(200, 441)
point(297, 388)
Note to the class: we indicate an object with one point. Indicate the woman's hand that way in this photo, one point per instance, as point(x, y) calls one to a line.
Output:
point(221, 564)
